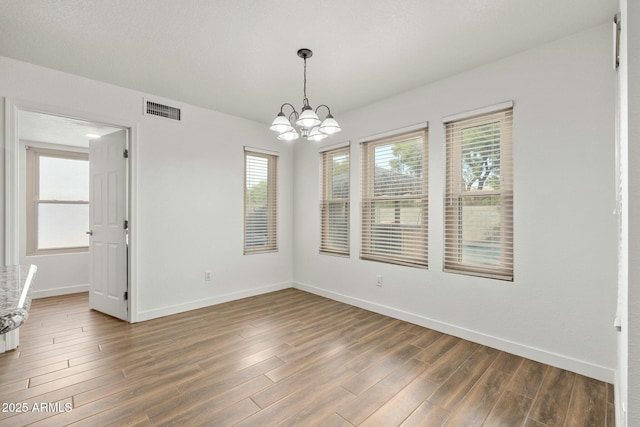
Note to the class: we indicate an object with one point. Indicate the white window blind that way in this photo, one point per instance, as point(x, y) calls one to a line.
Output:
point(334, 206)
point(57, 201)
point(479, 195)
point(394, 199)
point(260, 202)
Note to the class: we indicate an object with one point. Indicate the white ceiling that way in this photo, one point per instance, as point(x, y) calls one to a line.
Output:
point(239, 56)
point(58, 130)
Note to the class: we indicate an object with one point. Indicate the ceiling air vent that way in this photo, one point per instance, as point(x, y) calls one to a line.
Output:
point(160, 110)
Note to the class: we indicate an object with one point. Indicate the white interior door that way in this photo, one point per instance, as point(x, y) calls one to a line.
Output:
point(107, 212)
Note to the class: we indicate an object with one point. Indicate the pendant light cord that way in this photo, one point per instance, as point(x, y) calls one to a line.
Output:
point(305, 101)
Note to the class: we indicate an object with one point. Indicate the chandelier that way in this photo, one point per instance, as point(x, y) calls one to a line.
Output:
point(307, 121)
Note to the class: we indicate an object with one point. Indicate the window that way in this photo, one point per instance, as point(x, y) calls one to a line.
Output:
point(394, 199)
point(479, 196)
point(260, 195)
point(57, 201)
point(334, 206)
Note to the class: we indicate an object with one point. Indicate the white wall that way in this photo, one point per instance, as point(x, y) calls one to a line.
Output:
point(188, 179)
point(561, 305)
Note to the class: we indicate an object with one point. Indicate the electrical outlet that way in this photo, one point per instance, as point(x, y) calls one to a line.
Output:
point(207, 275)
point(379, 282)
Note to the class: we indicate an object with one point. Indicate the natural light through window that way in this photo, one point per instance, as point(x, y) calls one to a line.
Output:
point(260, 196)
point(334, 206)
point(395, 202)
point(479, 196)
point(57, 201)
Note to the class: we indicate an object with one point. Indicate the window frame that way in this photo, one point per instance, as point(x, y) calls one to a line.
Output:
point(33, 200)
point(455, 194)
point(369, 199)
point(271, 243)
point(327, 201)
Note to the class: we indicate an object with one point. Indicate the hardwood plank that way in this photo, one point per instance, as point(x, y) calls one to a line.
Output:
point(193, 392)
point(508, 363)
point(201, 407)
point(120, 406)
point(438, 348)
point(533, 423)
point(62, 393)
point(28, 370)
point(588, 403)
point(368, 402)
point(327, 374)
point(287, 358)
point(442, 368)
point(335, 420)
point(527, 379)
point(510, 410)
point(400, 406)
point(455, 388)
point(482, 397)
point(303, 398)
point(365, 358)
point(427, 414)
point(12, 387)
point(428, 337)
point(361, 382)
point(231, 415)
point(323, 406)
point(552, 402)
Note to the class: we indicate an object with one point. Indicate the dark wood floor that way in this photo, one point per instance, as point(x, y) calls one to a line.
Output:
point(287, 358)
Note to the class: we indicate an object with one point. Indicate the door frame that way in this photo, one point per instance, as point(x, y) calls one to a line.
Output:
point(12, 190)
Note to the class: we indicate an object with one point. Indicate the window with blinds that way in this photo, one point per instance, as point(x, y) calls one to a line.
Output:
point(394, 199)
point(57, 201)
point(334, 206)
point(260, 202)
point(479, 195)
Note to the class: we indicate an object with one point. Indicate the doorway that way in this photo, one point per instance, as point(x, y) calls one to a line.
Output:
point(30, 125)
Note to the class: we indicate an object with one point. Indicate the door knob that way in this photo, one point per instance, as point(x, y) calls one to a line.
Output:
point(90, 232)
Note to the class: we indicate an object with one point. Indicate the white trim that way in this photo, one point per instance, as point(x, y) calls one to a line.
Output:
point(564, 362)
point(64, 290)
point(478, 112)
point(342, 144)
point(393, 132)
point(52, 146)
point(132, 212)
point(261, 151)
point(206, 302)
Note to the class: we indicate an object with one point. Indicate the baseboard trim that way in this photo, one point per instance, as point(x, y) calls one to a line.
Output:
point(53, 292)
point(560, 361)
point(206, 302)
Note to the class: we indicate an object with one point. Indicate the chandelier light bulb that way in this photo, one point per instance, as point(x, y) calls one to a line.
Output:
point(281, 124)
point(289, 135)
point(308, 119)
point(329, 126)
point(315, 134)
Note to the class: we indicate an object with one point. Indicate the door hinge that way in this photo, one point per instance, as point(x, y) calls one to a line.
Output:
point(126, 224)
point(126, 153)
point(126, 296)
